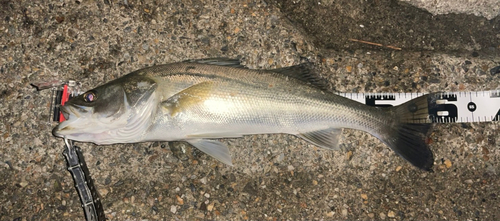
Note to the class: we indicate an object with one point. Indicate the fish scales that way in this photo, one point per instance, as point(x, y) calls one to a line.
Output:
point(199, 101)
point(265, 97)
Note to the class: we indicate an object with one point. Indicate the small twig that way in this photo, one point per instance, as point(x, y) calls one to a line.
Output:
point(376, 44)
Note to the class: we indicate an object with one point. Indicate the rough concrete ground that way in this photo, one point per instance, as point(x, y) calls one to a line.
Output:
point(275, 176)
point(487, 8)
point(341, 24)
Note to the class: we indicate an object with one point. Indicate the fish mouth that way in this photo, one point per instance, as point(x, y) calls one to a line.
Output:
point(69, 111)
point(65, 112)
point(56, 131)
point(70, 114)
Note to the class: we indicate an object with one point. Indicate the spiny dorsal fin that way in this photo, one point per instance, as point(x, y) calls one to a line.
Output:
point(303, 72)
point(230, 62)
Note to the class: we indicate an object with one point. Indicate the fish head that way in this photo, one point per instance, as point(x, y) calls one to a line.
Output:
point(115, 112)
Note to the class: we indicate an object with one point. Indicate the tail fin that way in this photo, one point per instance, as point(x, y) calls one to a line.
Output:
point(407, 135)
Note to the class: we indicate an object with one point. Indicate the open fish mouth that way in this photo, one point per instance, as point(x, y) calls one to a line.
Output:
point(70, 114)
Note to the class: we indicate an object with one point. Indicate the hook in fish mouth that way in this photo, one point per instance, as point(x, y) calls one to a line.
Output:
point(65, 112)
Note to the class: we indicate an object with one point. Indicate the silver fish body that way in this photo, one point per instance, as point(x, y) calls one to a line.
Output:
point(199, 101)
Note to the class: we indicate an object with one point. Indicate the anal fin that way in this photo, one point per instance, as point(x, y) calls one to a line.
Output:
point(327, 139)
point(213, 148)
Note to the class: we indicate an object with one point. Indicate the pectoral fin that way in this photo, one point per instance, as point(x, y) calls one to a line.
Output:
point(213, 148)
point(328, 139)
point(188, 97)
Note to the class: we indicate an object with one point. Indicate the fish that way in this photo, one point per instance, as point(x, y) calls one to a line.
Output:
point(201, 101)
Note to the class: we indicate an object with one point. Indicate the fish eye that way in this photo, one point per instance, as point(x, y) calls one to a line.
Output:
point(89, 96)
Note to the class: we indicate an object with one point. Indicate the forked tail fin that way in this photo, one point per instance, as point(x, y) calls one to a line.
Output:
point(407, 135)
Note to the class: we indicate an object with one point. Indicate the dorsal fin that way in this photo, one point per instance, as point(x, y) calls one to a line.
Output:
point(230, 62)
point(303, 72)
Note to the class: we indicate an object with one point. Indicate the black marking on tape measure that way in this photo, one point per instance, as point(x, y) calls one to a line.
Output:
point(449, 97)
point(436, 110)
point(471, 106)
point(497, 116)
point(495, 94)
point(371, 99)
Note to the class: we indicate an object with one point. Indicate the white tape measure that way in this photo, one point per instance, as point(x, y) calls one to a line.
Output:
point(447, 107)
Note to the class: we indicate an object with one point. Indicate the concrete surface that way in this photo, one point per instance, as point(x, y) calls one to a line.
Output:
point(275, 177)
point(341, 24)
point(486, 8)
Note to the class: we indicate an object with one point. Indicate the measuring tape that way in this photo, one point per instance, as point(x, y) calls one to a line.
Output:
point(447, 107)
